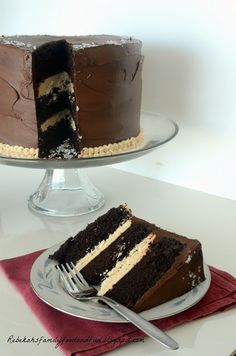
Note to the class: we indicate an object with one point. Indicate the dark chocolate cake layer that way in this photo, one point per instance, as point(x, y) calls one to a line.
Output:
point(78, 246)
point(60, 141)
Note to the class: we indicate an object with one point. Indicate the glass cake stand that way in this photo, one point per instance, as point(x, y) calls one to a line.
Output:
point(67, 191)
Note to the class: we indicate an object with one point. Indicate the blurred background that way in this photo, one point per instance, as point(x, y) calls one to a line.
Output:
point(189, 75)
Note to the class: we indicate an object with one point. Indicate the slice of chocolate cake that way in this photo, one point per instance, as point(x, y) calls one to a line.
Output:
point(135, 263)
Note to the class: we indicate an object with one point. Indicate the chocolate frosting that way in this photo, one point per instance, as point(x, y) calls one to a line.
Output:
point(107, 75)
point(108, 93)
point(178, 280)
point(17, 107)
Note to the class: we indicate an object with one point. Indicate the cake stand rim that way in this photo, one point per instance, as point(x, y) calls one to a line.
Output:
point(150, 145)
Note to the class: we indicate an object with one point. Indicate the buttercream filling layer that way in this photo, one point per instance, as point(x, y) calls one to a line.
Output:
point(102, 246)
point(61, 81)
point(126, 264)
point(56, 118)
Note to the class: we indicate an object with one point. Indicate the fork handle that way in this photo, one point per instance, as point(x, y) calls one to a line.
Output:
point(141, 323)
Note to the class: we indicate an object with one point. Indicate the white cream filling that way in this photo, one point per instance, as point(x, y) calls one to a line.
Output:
point(102, 246)
point(126, 264)
point(60, 81)
point(54, 119)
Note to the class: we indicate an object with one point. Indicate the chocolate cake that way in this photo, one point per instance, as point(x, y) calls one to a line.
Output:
point(66, 97)
point(134, 262)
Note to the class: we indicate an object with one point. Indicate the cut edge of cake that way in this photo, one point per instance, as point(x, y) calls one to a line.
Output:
point(96, 237)
point(139, 264)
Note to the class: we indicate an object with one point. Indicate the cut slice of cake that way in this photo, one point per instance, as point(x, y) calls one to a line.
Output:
point(135, 263)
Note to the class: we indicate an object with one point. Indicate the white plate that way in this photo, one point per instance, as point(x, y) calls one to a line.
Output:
point(46, 284)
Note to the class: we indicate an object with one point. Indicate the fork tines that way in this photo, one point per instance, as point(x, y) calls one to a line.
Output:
point(72, 278)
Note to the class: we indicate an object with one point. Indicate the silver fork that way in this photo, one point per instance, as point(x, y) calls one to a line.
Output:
point(79, 289)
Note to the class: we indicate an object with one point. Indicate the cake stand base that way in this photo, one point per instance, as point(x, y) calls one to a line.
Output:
point(66, 192)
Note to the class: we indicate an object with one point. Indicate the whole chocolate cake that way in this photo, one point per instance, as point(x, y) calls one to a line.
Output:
point(69, 97)
point(135, 262)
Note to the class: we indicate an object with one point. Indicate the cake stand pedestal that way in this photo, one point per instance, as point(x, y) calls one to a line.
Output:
point(67, 191)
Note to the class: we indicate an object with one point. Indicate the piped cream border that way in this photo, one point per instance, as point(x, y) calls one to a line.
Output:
point(114, 148)
point(87, 152)
point(18, 151)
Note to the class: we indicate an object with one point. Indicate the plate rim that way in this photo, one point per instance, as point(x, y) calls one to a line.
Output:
point(115, 318)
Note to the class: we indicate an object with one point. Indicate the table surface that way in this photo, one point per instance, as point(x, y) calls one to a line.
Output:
point(198, 215)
